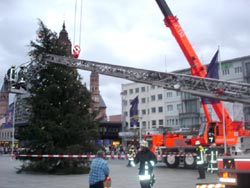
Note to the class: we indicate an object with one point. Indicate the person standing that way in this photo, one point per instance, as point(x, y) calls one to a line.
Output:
point(212, 160)
point(99, 170)
point(147, 160)
point(200, 159)
point(131, 155)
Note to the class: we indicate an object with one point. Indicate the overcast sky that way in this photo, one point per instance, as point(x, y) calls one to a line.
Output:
point(127, 32)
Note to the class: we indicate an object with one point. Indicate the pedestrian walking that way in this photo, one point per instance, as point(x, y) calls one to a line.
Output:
point(99, 171)
point(147, 160)
point(200, 159)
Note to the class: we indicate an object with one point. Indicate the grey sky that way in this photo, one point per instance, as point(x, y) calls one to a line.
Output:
point(127, 32)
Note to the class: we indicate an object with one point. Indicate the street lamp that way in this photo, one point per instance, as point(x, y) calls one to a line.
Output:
point(13, 128)
point(123, 116)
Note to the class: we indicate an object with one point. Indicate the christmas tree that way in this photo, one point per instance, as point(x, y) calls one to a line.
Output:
point(61, 122)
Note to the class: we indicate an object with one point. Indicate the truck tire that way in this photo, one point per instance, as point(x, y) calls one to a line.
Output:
point(189, 162)
point(172, 161)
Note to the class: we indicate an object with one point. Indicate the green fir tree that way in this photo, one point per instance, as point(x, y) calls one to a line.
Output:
point(61, 122)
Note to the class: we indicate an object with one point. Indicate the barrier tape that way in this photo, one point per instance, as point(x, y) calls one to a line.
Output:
point(86, 156)
point(118, 156)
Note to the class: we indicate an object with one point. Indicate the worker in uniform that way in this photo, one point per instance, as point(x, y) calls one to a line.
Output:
point(212, 159)
point(200, 159)
point(21, 78)
point(11, 76)
point(131, 155)
point(147, 160)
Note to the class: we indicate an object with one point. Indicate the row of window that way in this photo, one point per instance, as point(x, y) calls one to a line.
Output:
point(137, 90)
point(153, 123)
point(226, 70)
point(172, 122)
point(105, 129)
point(6, 135)
point(148, 111)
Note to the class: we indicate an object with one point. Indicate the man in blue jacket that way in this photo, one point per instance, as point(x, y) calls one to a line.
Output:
point(99, 170)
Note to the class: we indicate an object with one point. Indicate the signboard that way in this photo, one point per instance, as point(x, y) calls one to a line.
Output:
point(126, 134)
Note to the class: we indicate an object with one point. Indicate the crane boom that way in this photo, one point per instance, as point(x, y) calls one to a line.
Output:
point(203, 87)
point(197, 68)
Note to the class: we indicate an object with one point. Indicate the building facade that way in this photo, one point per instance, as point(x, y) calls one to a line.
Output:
point(160, 109)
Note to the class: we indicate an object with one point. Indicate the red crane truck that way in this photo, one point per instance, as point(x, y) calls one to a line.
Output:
point(173, 148)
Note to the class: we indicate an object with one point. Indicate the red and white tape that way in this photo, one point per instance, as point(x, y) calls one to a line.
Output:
point(94, 156)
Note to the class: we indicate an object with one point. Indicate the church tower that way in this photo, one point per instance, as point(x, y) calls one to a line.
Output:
point(94, 89)
point(4, 103)
point(97, 100)
point(64, 39)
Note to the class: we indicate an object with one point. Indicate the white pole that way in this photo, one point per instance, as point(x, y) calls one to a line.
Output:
point(13, 127)
point(223, 114)
point(140, 130)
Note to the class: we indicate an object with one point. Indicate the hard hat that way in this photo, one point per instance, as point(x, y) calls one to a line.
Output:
point(197, 142)
point(144, 143)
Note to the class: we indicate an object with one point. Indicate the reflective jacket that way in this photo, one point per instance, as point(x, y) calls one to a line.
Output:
point(147, 160)
point(131, 154)
point(200, 154)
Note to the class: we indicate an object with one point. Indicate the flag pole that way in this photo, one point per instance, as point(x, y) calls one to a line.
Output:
point(223, 114)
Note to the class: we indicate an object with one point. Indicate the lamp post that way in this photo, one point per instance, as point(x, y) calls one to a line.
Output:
point(123, 116)
point(13, 128)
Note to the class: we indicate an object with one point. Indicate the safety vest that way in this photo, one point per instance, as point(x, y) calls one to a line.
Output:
point(200, 155)
point(131, 154)
point(212, 163)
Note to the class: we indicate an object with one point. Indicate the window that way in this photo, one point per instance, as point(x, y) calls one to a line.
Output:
point(160, 109)
point(169, 94)
point(179, 108)
point(159, 96)
point(178, 93)
point(152, 87)
point(160, 121)
point(153, 123)
point(131, 91)
point(143, 89)
point(225, 71)
point(152, 97)
point(153, 110)
point(137, 90)
point(143, 100)
point(144, 124)
point(170, 107)
point(125, 102)
point(238, 70)
point(143, 112)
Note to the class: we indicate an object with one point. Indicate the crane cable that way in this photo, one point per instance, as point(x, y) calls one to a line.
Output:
point(76, 48)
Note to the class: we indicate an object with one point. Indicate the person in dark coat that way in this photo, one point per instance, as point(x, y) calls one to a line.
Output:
point(147, 160)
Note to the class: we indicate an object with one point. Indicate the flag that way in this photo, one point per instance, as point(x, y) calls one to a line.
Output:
point(9, 116)
point(212, 72)
point(212, 69)
point(133, 113)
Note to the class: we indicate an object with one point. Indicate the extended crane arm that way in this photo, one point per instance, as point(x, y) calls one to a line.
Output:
point(203, 87)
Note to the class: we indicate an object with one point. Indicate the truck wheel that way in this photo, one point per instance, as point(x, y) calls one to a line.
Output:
point(189, 162)
point(172, 161)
